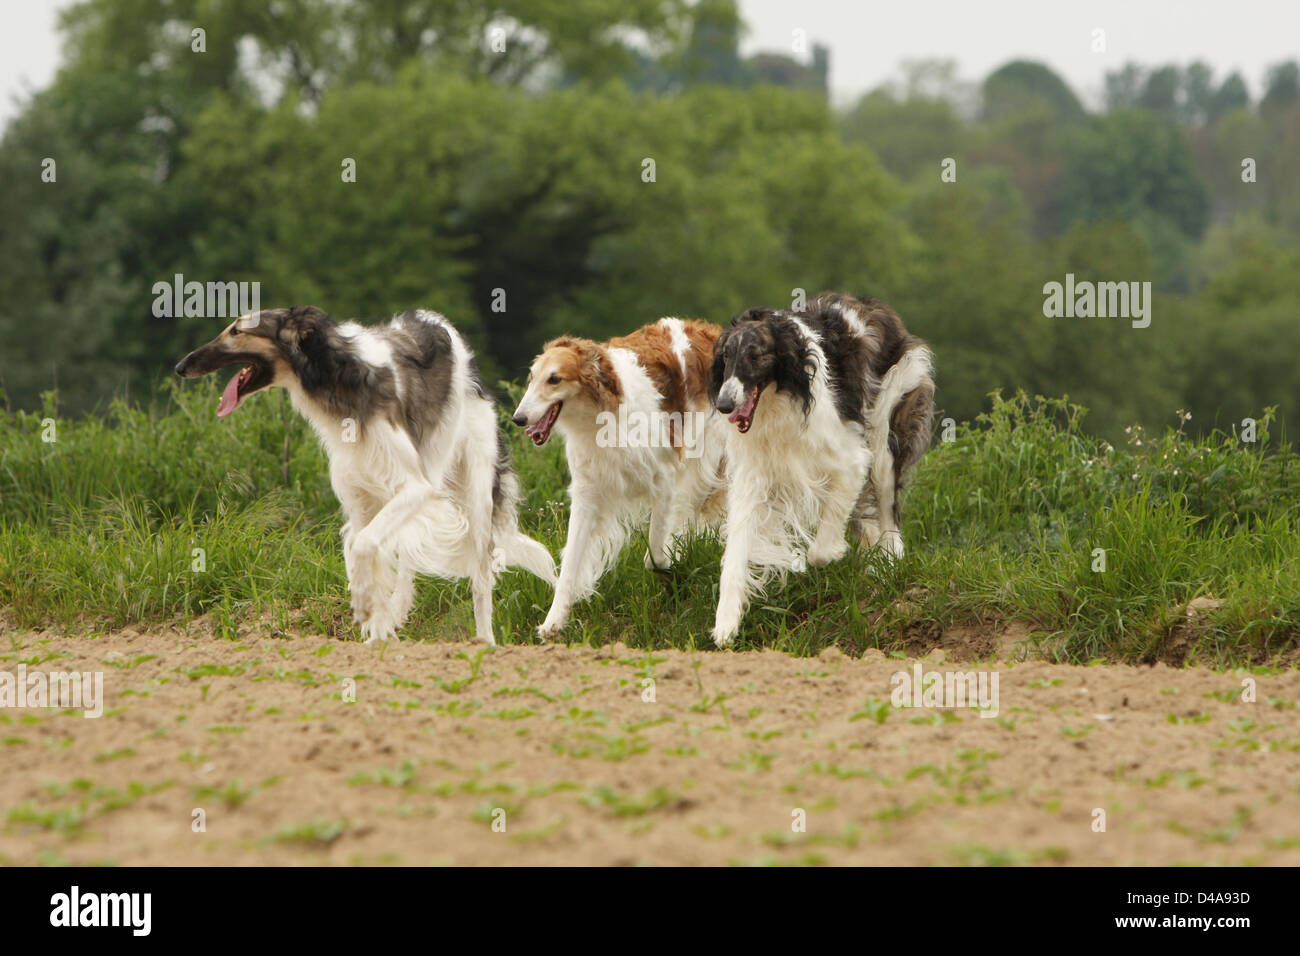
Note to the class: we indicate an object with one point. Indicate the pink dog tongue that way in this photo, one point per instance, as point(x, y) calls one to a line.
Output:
point(746, 410)
point(230, 397)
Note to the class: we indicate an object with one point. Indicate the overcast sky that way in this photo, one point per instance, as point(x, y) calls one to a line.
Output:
point(869, 39)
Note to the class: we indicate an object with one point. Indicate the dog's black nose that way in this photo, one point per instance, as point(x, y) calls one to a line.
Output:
point(725, 405)
point(180, 368)
point(520, 419)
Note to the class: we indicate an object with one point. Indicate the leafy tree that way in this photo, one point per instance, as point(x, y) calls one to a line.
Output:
point(78, 255)
point(1160, 93)
point(787, 71)
point(1282, 87)
point(937, 79)
point(1033, 148)
point(1028, 112)
point(305, 46)
point(754, 196)
point(1244, 323)
point(1231, 95)
point(911, 137)
point(1124, 86)
point(1130, 161)
point(142, 193)
point(712, 54)
point(1112, 368)
point(1021, 86)
point(1218, 151)
point(1198, 93)
point(975, 289)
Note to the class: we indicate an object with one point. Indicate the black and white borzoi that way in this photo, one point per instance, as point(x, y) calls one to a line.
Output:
point(847, 399)
point(416, 457)
point(644, 448)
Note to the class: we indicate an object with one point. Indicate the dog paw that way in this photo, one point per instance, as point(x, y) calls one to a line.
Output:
point(819, 556)
point(891, 542)
point(550, 630)
point(379, 627)
point(652, 565)
point(362, 607)
point(372, 635)
point(869, 532)
point(724, 635)
point(363, 602)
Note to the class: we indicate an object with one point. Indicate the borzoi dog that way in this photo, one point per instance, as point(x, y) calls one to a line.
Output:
point(639, 436)
point(416, 457)
point(848, 401)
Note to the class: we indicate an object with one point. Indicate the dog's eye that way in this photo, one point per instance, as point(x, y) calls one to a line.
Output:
point(234, 330)
point(553, 380)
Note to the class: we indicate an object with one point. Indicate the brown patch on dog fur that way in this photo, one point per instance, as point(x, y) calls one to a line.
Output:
point(653, 345)
point(703, 336)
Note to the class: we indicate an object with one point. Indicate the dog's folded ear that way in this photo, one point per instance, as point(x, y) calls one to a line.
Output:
point(718, 367)
point(795, 365)
point(598, 373)
point(303, 323)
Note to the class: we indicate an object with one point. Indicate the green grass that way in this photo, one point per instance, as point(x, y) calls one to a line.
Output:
point(99, 529)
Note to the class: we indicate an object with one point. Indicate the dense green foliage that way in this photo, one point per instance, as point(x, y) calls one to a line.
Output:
point(517, 168)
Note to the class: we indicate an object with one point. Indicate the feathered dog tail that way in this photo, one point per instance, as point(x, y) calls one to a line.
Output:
point(898, 429)
point(903, 417)
point(514, 549)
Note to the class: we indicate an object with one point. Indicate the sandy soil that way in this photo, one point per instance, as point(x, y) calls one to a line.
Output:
point(452, 753)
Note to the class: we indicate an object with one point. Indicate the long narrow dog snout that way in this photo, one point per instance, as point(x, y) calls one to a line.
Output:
point(194, 364)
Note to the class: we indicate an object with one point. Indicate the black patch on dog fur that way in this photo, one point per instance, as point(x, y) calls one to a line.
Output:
point(848, 362)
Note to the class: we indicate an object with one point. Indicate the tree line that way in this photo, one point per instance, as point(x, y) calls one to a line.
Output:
point(532, 168)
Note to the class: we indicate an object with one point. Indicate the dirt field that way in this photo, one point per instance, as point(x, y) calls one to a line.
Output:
point(452, 753)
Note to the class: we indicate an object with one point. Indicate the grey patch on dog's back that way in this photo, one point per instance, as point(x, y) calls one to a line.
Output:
point(422, 352)
point(428, 356)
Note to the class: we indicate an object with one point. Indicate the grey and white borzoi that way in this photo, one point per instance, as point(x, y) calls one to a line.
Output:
point(416, 456)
